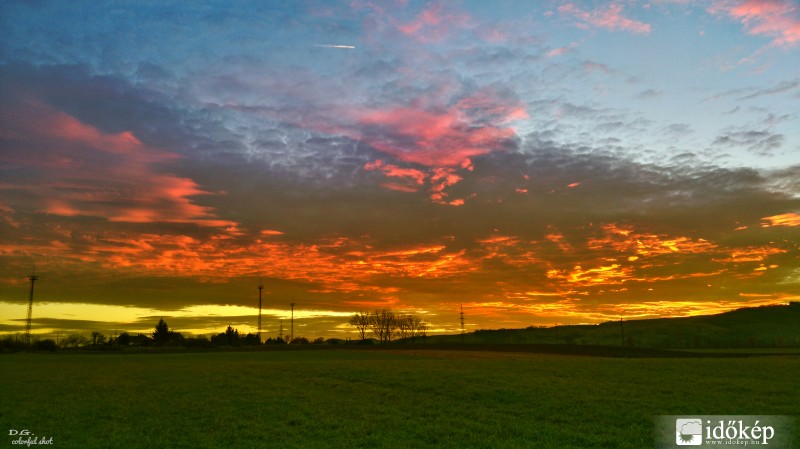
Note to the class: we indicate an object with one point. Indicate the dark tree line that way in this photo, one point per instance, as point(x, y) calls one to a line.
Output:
point(384, 325)
point(387, 325)
point(231, 337)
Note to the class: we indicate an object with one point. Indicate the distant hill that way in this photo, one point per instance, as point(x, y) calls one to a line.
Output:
point(757, 327)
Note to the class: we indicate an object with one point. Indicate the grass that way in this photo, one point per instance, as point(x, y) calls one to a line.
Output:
point(376, 399)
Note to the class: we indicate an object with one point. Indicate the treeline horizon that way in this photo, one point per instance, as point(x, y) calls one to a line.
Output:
point(386, 325)
point(749, 327)
point(161, 336)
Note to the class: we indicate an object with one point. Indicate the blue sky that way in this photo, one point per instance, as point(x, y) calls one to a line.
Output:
point(539, 162)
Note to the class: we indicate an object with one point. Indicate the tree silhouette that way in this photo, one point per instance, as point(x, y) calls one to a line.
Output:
point(419, 328)
point(404, 326)
point(361, 322)
point(383, 324)
point(98, 338)
point(387, 325)
point(124, 339)
point(161, 333)
point(228, 338)
point(74, 340)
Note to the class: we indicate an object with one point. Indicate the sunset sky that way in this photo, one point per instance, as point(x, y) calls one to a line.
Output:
point(539, 162)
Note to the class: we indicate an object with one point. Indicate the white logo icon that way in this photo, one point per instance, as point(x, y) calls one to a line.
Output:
point(689, 432)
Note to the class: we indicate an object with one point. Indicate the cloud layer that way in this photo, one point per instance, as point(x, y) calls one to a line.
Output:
point(537, 164)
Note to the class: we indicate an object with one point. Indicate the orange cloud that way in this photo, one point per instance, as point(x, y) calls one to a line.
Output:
point(411, 176)
point(625, 239)
point(609, 274)
point(790, 219)
point(750, 254)
point(412, 179)
point(329, 265)
point(558, 239)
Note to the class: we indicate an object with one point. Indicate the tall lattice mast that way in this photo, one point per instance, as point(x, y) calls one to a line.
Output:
point(33, 278)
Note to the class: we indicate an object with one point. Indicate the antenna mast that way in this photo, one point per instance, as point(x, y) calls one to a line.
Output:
point(33, 278)
point(260, 288)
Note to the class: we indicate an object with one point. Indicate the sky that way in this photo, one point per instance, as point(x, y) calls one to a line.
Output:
point(536, 162)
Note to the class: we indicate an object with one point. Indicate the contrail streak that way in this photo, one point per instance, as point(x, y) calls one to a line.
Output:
point(334, 46)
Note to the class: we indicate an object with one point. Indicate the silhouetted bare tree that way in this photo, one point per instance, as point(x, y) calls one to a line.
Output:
point(383, 324)
point(404, 323)
point(361, 322)
point(98, 338)
point(387, 325)
point(419, 328)
point(74, 340)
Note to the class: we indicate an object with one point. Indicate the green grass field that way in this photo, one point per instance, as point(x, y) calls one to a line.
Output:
point(376, 399)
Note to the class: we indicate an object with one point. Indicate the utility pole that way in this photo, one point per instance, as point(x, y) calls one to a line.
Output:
point(260, 288)
point(33, 278)
point(622, 332)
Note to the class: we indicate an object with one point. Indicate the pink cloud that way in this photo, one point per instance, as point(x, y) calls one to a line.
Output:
point(434, 23)
point(609, 17)
point(441, 137)
point(778, 19)
point(441, 178)
point(85, 171)
point(444, 139)
point(399, 187)
point(561, 50)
